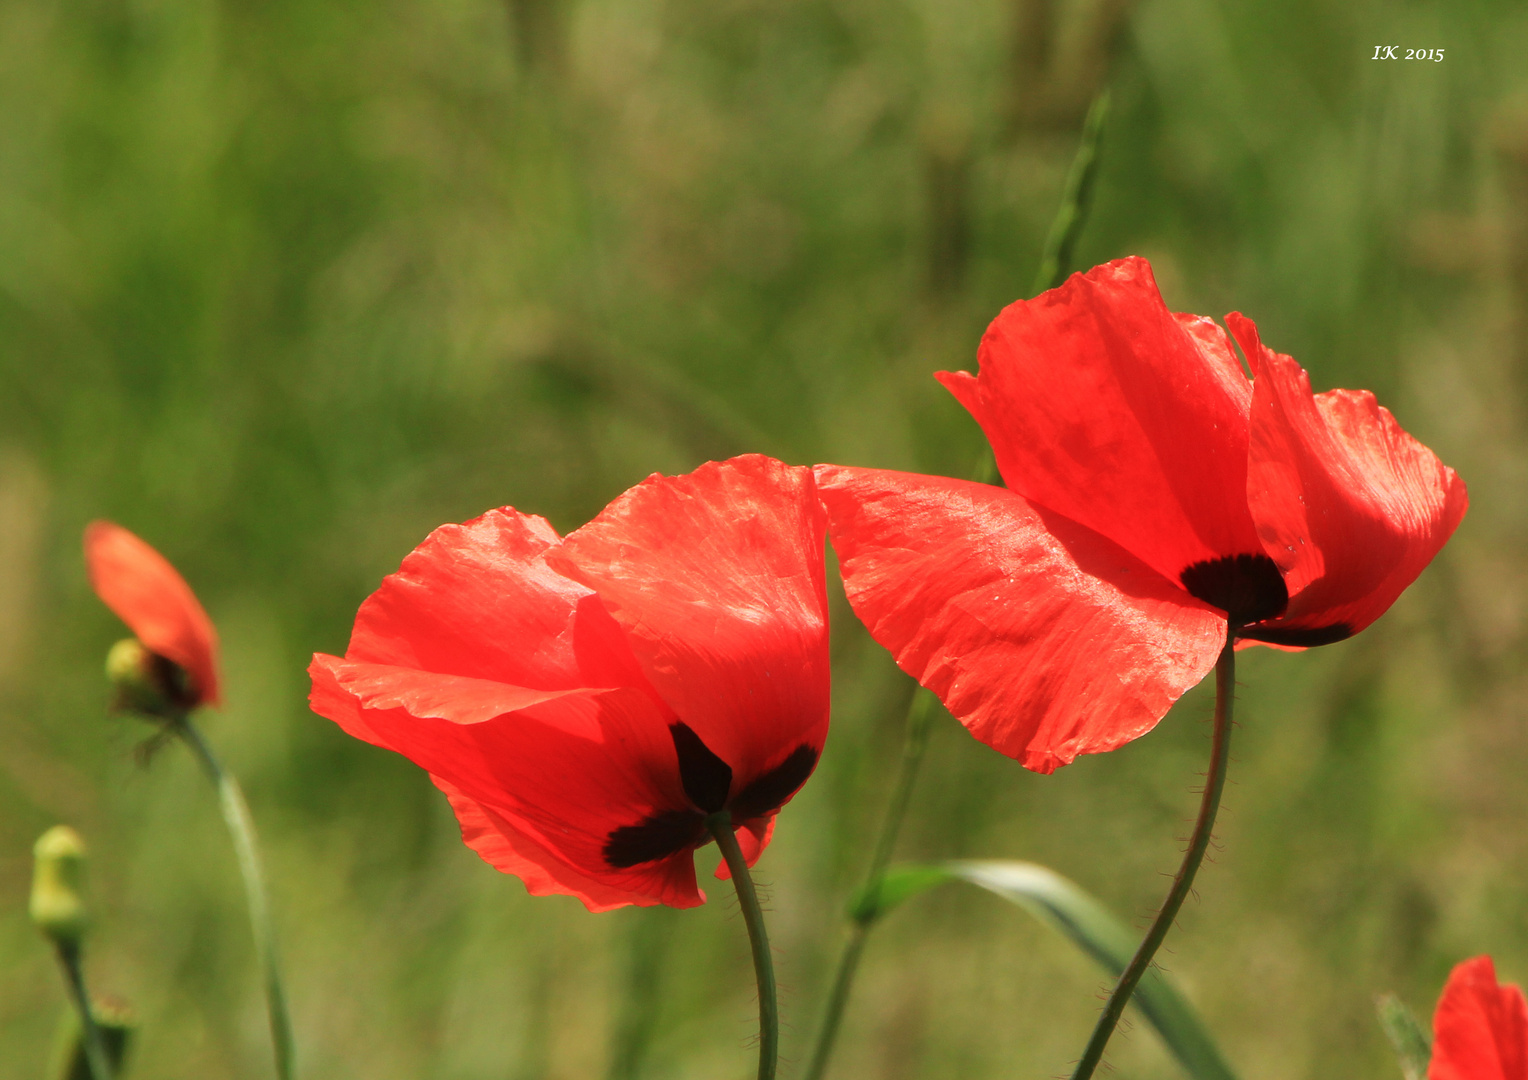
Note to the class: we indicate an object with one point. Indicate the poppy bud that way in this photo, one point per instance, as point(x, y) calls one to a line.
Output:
point(57, 906)
point(146, 683)
point(117, 1022)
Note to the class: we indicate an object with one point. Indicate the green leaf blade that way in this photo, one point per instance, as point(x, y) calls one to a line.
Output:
point(1066, 908)
point(1408, 1038)
point(896, 885)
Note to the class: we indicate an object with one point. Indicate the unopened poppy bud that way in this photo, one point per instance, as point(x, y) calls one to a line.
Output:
point(58, 905)
point(146, 683)
point(117, 1023)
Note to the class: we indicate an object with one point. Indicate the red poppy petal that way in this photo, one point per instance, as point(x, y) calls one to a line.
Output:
point(1349, 505)
point(753, 836)
point(155, 602)
point(444, 697)
point(1107, 408)
point(510, 850)
point(567, 770)
point(1480, 1031)
point(717, 578)
point(478, 600)
point(1042, 637)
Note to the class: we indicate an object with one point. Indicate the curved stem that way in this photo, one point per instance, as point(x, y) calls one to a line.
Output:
point(915, 743)
point(720, 825)
point(94, 1044)
point(1199, 842)
point(242, 828)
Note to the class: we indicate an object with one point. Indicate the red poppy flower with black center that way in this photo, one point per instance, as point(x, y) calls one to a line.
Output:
point(147, 593)
point(586, 702)
point(1480, 1031)
point(1154, 494)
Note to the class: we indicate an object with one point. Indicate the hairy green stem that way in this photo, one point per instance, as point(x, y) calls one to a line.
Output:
point(242, 828)
point(94, 1043)
point(915, 742)
point(1199, 843)
point(1076, 199)
point(720, 826)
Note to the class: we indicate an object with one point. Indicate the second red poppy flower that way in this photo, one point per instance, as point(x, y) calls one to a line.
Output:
point(586, 702)
point(1155, 495)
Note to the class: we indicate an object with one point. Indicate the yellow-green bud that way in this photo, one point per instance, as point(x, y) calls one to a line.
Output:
point(58, 877)
point(145, 682)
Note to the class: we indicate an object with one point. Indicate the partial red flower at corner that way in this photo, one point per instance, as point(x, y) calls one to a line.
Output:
point(151, 597)
point(1480, 1031)
point(1154, 495)
point(586, 702)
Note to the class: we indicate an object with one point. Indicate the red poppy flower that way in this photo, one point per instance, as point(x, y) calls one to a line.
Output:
point(1480, 1031)
point(147, 593)
point(1154, 493)
point(586, 702)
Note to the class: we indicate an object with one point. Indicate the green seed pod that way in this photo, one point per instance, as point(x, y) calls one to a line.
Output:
point(58, 903)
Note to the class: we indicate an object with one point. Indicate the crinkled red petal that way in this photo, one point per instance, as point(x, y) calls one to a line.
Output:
point(1107, 408)
point(717, 578)
point(565, 768)
point(478, 600)
point(155, 602)
point(1480, 1031)
point(1044, 638)
point(1349, 505)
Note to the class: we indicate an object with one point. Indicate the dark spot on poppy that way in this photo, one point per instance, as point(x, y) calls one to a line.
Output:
point(173, 681)
point(1248, 588)
point(1303, 636)
point(774, 787)
point(658, 837)
point(707, 778)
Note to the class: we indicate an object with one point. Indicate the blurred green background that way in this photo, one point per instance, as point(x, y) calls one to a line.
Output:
point(285, 285)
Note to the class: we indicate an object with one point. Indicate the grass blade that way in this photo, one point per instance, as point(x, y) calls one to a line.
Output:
point(1077, 916)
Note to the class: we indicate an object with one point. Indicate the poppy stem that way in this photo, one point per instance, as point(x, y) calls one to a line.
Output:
point(242, 828)
point(720, 826)
point(94, 1043)
point(914, 744)
point(1199, 842)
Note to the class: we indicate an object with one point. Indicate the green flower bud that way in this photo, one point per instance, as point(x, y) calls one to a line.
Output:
point(58, 906)
point(117, 1022)
point(145, 682)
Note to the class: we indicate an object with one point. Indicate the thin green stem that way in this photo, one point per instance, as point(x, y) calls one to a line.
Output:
point(1199, 843)
point(94, 1043)
point(720, 826)
point(1076, 200)
point(915, 742)
point(1064, 231)
point(242, 828)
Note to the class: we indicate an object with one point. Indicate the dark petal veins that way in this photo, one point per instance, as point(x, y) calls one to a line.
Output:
point(1303, 636)
point(707, 778)
point(774, 787)
point(658, 837)
point(1248, 588)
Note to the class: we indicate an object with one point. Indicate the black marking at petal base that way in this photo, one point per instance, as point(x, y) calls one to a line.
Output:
point(173, 681)
point(656, 838)
point(1248, 588)
point(1302, 636)
point(774, 787)
point(707, 778)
